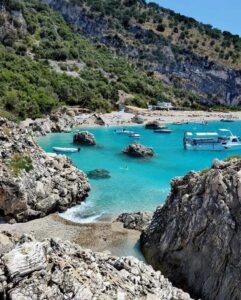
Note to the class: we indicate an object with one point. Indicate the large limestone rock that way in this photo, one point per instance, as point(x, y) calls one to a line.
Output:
point(45, 185)
point(63, 119)
point(136, 221)
point(84, 138)
point(153, 125)
point(195, 238)
point(138, 150)
point(55, 269)
point(138, 119)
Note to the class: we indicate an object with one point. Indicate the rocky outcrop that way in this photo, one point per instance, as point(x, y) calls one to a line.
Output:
point(55, 269)
point(99, 174)
point(84, 138)
point(153, 125)
point(62, 120)
point(136, 221)
point(33, 183)
point(138, 150)
point(195, 238)
point(138, 119)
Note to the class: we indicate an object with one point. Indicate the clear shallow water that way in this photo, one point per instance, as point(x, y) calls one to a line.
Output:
point(135, 184)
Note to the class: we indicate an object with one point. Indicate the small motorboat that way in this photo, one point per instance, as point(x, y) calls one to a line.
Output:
point(124, 132)
point(66, 150)
point(227, 120)
point(135, 135)
point(180, 123)
point(163, 130)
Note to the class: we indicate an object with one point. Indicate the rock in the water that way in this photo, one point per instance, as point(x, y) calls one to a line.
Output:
point(84, 138)
point(153, 125)
point(195, 238)
point(55, 269)
point(99, 174)
point(31, 181)
point(137, 221)
point(138, 150)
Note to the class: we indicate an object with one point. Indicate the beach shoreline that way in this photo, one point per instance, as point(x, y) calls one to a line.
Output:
point(100, 236)
point(115, 119)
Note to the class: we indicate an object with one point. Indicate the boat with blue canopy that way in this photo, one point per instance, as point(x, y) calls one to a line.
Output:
point(224, 139)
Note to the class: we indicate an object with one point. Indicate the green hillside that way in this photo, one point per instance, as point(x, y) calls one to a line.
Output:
point(185, 33)
point(44, 63)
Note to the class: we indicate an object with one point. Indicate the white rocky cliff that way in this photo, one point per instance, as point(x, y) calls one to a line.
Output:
point(195, 238)
point(33, 183)
point(54, 269)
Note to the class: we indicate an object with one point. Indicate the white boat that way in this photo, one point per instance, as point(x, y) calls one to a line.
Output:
point(135, 135)
point(227, 120)
point(211, 141)
point(180, 123)
point(66, 150)
point(124, 132)
point(163, 130)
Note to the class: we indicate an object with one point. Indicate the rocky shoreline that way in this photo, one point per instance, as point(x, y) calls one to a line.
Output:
point(34, 184)
point(55, 269)
point(66, 119)
point(198, 227)
point(194, 239)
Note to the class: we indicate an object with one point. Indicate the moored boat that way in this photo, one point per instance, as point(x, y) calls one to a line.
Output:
point(124, 132)
point(163, 130)
point(180, 123)
point(135, 135)
point(211, 141)
point(66, 150)
point(227, 120)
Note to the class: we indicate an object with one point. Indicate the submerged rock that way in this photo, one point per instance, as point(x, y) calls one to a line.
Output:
point(84, 138)
point(137, 221)
point(55, 269)
point(32, 183)
point(99, 174)
point(195, 238)
point(138, 150)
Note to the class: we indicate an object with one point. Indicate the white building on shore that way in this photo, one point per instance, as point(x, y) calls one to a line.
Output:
point(161, 105)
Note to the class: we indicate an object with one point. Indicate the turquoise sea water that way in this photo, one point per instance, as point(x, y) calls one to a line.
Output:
point(135, 184)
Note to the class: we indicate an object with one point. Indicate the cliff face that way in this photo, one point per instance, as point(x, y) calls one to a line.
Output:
point(34, 184)
point(54, 269)
point(179, 67)
point(195, 238)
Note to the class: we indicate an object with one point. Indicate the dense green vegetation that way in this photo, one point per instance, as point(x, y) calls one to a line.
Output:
point(30, 87)
point(20, 162)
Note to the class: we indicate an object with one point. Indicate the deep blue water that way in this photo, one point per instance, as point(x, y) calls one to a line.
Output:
point(135, 184)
